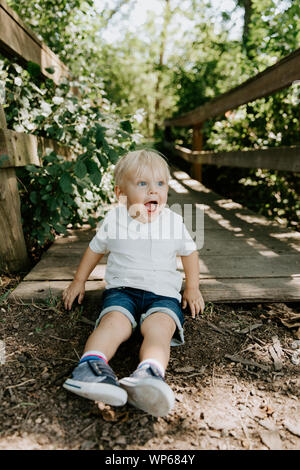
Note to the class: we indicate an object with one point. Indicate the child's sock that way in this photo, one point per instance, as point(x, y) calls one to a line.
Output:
point(89, 355)
point(153, 362)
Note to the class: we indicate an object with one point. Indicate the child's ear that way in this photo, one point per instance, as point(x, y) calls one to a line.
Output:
point(120, 195)
point(118, 191)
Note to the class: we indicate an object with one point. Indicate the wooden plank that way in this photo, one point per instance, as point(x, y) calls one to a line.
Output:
point(20, 149)
point(63, 268)
point(274, 78)
point(17, 40)
point(42, 291)
point(13, 251)
point(213, 290)
point(283, 289)
point(278, 158)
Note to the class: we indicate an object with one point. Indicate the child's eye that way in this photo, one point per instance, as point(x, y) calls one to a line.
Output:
point(142, 183)
point(161, 183)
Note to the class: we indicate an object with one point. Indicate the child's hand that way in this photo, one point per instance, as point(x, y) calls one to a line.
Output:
point(76, 288)
point(193, 298)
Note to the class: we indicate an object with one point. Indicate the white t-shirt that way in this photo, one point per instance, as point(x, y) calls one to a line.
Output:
point(143, 255)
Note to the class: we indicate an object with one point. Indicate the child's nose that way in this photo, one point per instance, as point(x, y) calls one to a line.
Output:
point(152, 188)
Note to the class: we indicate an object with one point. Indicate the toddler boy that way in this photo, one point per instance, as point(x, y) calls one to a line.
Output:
point(142, 237)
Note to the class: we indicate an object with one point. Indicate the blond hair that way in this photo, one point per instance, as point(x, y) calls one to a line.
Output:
point(137, 161)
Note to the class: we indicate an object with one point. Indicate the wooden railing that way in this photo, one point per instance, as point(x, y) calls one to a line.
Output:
point(16, 148)
point(277, 77)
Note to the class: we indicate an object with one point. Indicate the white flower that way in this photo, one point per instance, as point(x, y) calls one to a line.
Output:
point(110, 132)
point(57, 100)
point(18, 81)
point(19, 128)
point(29, 125)
point(46, 108)
point(71, 107)
point(139, 116)
point(79, 128)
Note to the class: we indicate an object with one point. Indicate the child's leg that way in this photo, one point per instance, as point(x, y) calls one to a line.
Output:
point(157, 330)
point(113, 329)
point(146, 387)
point(93, 378)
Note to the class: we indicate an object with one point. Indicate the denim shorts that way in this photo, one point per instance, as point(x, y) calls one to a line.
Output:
point(138, 304)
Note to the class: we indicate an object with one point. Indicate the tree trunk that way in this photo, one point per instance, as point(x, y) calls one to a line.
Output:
point(162, 48)
point(248, 7)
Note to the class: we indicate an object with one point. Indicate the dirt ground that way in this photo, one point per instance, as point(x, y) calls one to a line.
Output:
point(236, 382)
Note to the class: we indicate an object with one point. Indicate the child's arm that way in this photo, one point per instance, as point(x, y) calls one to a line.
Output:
point(88, 262)
point(192, 295)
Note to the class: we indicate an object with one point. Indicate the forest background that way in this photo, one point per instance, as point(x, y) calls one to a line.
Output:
point(133, 75)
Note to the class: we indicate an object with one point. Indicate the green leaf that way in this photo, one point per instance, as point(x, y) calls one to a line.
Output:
point(102, 159)
point(33, 197)
point(50, 70)
point(52, 170)
point(126, 126)
point(34, 69)
point(96, 178)
point(84, 141)
point(92, 166)
point(59, 228)
point(53, 205)
point(32, 168)
point(113, 155)
point(100, 136)
point(65, 183)
point(80, 169)
point(92, 222)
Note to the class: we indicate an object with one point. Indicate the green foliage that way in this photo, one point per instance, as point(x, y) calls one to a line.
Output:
point(62, 192)
point(221, 64)
point(151, 73)
point(56, 22)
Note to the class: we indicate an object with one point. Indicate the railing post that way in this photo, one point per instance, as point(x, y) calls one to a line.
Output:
point(13, 252)
point(197, 145)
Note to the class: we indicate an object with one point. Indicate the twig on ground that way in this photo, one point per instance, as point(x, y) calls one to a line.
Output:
point(59, 339)
point(19, 385)
point(220, 330)
point(246, 362)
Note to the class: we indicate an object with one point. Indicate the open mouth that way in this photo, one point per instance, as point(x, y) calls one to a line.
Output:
point(151, 206)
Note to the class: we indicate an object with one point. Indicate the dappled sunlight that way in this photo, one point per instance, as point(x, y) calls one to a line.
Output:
point(260, 248)
point(195, 185)
point(180, 175)
point(288, 238)
point(218, 218)
point(177, 187)
point(228, 204)
point(253, 219)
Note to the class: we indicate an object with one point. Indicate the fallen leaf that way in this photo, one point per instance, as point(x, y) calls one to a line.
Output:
point(109, 414)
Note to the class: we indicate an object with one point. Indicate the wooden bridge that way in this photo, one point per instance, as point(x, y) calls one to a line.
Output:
point(245, 257)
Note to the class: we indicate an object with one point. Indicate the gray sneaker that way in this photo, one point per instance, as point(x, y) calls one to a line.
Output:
point(96, 381)
point(147, 390)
